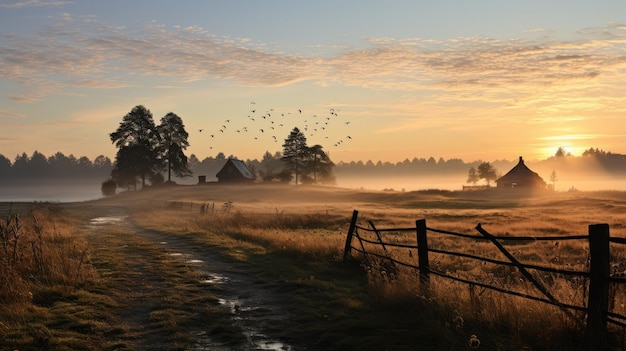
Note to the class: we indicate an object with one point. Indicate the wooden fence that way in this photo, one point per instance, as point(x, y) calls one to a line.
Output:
point(598, 275)
point(203, 207)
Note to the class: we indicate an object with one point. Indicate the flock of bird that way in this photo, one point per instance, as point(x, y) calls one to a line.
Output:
point(275, 126)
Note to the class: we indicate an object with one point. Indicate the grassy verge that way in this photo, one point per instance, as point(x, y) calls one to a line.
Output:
point(130, 295)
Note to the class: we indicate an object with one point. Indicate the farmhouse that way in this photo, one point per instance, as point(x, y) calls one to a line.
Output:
point(235, 171)
point(520, 176)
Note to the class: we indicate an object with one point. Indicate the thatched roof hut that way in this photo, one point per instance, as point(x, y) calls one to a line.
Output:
point(520, 176)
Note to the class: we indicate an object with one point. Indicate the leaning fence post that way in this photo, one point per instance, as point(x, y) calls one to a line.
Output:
point(348, 247)
point(422, 256)
point(599, 271)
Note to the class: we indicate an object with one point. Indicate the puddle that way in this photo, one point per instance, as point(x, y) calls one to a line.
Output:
point(256, 340)
point(214, 279)
point(108, 220)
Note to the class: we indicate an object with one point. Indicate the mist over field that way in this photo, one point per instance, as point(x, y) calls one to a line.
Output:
point(61, 178)
point(87, 189)
point(52, 191)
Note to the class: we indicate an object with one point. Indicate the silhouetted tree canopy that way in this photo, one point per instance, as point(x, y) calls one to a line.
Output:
point(487, 172)
point(294, 152)
point(472, 176)
point(138, 144)
point(174, 143)
point(319, 164)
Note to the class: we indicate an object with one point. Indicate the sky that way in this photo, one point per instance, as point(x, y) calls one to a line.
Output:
point(367, 80)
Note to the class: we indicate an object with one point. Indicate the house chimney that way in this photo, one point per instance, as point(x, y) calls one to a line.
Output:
point(521, 161)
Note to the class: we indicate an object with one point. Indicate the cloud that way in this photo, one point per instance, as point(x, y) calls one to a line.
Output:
point(33, 3)
point(80, 52)
point(12, 115)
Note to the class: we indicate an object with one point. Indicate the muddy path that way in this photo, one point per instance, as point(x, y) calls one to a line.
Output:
point(254, 309)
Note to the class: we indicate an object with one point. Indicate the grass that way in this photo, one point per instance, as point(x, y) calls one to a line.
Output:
point(527, 324)
point(291, 240)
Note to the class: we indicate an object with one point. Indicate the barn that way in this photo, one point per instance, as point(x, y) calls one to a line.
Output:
point(235, 171)
point(520, 176)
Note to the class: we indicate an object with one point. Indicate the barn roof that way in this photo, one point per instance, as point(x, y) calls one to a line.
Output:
point(521, 174)
point(241, 167)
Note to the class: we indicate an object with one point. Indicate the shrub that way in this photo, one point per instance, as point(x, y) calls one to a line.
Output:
point(109, 187)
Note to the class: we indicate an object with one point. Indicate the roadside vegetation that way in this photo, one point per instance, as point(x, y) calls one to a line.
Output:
point(291, 241)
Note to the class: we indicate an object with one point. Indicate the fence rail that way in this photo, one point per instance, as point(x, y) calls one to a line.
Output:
point(598, 275)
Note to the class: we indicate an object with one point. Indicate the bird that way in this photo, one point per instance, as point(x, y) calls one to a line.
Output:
point(200, 130)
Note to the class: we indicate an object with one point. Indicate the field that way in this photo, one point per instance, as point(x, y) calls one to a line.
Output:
point(142, 271)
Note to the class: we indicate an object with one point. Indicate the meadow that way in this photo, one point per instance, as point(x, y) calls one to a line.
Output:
point(292, 240)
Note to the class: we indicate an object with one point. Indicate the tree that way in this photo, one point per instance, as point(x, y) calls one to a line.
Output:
point(560, 153)
point(138, 142)
point(472, 176)
point(5, 166)
point(487, 172)
point(102, 161)
point(553, 179)
point(270, 166)
point(38, 164)
point(320, 165)
point(173, 137)
point(294, 152)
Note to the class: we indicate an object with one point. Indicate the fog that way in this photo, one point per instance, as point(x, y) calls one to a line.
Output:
point(84, 190)
point(57, 191)
point(446, 182)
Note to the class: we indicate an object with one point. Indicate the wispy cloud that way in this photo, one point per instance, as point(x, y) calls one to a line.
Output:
point(80, 52)
point(10, 114)
point(32, 3)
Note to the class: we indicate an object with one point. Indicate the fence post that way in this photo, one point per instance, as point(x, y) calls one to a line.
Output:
point(599, 271)
point(422, 256)
point(348, 247)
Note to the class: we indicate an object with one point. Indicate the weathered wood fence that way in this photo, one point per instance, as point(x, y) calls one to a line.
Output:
point(599, 273)
point(203, 207)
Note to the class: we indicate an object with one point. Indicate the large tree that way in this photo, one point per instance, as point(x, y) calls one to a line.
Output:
point(319, 164)
point(174, 143)
point(138, 144)
point(295, 152)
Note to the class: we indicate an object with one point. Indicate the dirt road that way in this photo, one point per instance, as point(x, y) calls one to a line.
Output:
point(253, 309)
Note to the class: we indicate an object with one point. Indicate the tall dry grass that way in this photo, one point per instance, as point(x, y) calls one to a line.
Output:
point(40, 249)
point(316, 232)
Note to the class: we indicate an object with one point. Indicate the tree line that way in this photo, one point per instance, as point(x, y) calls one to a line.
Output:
point(58, 166)
point(270, 165)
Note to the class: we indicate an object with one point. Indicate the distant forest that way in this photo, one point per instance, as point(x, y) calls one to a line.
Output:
point(37, 166)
